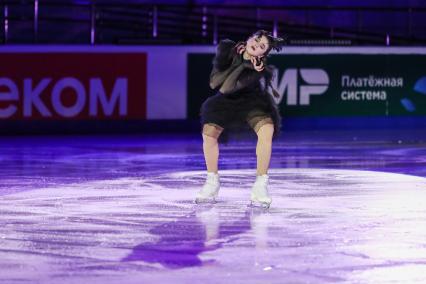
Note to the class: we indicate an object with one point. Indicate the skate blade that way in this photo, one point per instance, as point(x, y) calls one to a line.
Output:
point(258, 204)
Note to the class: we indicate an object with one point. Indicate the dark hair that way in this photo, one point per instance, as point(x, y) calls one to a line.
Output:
point(275, 43)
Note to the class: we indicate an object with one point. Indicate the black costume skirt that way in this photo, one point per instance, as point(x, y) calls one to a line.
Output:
point(233, 111)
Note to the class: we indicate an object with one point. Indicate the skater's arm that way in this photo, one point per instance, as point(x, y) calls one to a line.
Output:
point(218, 77)
point(235, 82)
point(224, 62)
point(229, 62)
point(224, 55)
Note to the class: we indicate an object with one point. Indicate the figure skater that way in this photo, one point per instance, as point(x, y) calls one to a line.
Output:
point(243, 80)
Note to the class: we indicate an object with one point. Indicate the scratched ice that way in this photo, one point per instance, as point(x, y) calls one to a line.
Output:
point(324, 226)
point(76, 220)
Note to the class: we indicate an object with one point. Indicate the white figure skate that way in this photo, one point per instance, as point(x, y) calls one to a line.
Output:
point(210, 190)
point(259, 192)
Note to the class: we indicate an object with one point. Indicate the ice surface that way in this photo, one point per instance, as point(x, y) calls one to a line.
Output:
point(102, 211)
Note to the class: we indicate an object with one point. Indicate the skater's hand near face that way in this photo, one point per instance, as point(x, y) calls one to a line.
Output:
point(257, 64)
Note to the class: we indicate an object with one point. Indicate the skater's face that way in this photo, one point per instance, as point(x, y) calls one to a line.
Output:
point(257, 45)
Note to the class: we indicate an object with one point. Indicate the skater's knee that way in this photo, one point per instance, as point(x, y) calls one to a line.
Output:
point(211, 132)
point(265, 131)
point(261, 122)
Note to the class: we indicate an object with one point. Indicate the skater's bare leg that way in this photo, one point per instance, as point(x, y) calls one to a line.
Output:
point(210, 189)
point(259, 194)
point(211, 133)
point(264, 146)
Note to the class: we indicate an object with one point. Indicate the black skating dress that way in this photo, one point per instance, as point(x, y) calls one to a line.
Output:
point(242, 98)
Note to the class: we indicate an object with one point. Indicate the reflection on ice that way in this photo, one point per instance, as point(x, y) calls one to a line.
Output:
point(325, 225)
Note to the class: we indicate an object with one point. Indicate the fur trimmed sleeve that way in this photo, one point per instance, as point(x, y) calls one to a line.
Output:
point(224, 54)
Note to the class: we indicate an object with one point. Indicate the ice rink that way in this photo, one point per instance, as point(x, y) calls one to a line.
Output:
point(348, 207)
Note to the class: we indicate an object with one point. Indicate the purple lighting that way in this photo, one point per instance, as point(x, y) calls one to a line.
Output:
point(168, 142)
point(275, 28)
point(35, 20)
point(154, 22)
point(6, 22)
point(92, 24)
point(215, 29)
point(204, 22)
point(120, 210)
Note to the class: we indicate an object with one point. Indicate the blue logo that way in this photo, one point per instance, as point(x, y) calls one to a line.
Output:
point(419, 87)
